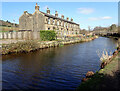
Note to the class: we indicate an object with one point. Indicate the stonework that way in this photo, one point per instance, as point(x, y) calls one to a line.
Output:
point(45, 21)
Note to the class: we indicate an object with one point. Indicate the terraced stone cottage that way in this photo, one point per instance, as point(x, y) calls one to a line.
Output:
point(46, 21)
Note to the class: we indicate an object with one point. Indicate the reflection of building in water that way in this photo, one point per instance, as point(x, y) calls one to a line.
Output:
point(45, 21)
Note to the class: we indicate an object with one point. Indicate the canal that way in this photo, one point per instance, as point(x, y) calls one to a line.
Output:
point(54, 68)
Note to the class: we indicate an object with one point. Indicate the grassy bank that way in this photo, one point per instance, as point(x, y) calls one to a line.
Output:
point(104, 80)
point(7, 29)
point(31, 45)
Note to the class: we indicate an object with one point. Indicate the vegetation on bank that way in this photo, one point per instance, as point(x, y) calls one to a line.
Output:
point(101, 81)
point(93, 84)
point(47, 35)
point(31, 45)
point(24, 46)
point(104, 56)
point(6, 26)
point(8, 29)
point(113, 28)
point(105, 79)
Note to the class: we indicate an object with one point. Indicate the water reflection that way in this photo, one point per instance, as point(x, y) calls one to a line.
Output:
point(53, 68)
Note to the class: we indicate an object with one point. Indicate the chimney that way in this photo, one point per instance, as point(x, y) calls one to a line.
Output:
point(56, 13)
point(71, 19)
point(48, 11)
point(36, 7)
point(25, 12)
point(67, 18)
point(62, 16)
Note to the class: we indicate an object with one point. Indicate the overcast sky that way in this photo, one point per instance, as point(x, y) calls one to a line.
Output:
point(85, 13)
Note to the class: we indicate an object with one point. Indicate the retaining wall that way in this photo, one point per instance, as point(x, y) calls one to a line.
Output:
point(27, 35)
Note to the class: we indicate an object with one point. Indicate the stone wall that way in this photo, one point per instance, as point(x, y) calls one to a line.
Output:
point(42, 21)
point(61, 25)
point(27, 35)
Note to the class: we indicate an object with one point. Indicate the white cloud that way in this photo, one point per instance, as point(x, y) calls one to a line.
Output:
point(106, 17)
point(85, 10)
point(99, 18)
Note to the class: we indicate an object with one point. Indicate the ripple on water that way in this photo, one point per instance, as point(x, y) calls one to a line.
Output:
point(54, 68)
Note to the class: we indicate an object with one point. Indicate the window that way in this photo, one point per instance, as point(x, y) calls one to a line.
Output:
point(67, 25)
point(53, 21)
point(64, 25)
point(57, 22)
point(53, 28)
point(48, 20)
point(48, 28)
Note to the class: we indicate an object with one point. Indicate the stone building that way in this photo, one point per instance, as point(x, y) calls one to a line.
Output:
point(45, 21)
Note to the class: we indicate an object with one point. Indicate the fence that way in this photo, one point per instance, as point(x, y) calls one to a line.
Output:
point(27, 35)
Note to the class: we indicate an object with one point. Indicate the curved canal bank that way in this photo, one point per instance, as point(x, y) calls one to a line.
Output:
point(53, 68)
point(32, 45)
point(107, 78)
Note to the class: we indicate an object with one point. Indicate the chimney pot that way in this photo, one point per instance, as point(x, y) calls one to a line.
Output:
point(56, 13)
point(67, 18)
point(25, 11)
point(62, 16)
point(36, 7)
point(48, 11)
point(71, 19)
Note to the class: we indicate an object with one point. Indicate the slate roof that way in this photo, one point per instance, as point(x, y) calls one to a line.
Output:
point(54, 17)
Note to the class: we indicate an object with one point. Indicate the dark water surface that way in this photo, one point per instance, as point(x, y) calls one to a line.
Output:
point(53, 68)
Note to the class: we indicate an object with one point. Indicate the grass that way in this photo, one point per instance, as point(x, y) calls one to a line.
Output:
point(102, 79)
point(4, 31)
point(58, 40)
point(92, 84)
point(61, 45)
point(7, 29)
point(110, 66)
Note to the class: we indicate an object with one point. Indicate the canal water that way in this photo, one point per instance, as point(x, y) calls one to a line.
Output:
point(59, 68)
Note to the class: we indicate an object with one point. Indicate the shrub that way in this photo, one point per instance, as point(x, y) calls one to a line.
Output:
point(47, 35)
point(104, 55)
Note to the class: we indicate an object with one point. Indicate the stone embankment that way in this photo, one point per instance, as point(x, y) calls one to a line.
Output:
point(106, 78)
point(32, 45)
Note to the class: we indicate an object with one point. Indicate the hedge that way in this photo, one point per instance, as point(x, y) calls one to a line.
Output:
point(47, 35)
